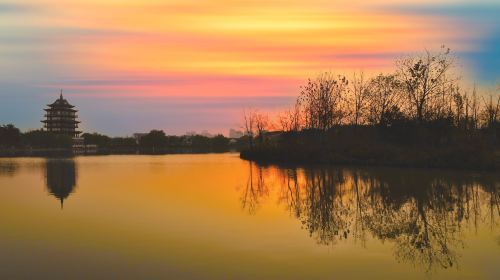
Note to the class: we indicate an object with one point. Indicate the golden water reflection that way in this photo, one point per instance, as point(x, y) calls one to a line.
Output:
point(216, 216)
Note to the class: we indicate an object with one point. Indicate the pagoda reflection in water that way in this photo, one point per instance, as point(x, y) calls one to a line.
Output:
point(60, 176)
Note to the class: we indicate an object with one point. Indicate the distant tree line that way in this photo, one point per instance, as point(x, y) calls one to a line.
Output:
point(421, 104)
point(156, 141)
point(12, 137)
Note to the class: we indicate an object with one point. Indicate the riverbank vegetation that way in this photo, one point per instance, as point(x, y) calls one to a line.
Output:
point(12, 138)
point(157, 142)
point(13, 142)
point(418, 115)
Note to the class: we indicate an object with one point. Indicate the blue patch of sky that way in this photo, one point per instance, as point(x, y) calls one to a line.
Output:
point(483, 16)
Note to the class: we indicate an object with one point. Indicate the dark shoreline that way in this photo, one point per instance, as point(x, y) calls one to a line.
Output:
point(378, 167)
point(289, 158)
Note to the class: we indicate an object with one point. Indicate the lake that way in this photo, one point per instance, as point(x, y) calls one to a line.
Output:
point(215, 216)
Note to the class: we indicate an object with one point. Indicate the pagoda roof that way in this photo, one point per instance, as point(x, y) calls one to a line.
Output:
point(61, 102)
point(59, 108)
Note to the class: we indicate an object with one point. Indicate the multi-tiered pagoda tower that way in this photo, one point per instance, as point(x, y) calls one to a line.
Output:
point(60, 118)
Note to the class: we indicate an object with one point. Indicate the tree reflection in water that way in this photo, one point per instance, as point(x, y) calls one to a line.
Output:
point(255, 189)
point(60, 176)
point(424, 213)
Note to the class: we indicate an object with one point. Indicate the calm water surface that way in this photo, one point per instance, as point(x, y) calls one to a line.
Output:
point(219, 217)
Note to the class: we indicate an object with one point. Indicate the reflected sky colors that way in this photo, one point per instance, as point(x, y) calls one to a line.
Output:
point(191, 65)
point(150, 217)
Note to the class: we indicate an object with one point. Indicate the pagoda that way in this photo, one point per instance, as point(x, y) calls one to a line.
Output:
point(60, 118)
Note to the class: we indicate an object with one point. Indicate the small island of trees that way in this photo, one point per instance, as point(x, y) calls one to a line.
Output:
point(418, 115)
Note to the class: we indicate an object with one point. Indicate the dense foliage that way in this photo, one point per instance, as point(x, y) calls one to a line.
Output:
point(10, 136)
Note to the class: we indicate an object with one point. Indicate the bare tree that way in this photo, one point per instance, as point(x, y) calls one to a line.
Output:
point(474, 107)
point(262, 124)
point(491, 111)
point(290, 120)
point(284, 121)
point(322, 101)
point(249, 125)
point(385, 97)
point(423, 77)
point(360, 95)
point(459, 102)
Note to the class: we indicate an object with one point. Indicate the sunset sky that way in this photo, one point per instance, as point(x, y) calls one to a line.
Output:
point(183, 65)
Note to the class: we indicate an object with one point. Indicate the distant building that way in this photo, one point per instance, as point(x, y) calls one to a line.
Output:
point(138, 136)
point(205, 133)
point(91, 149)
point(79, 145)
point(235, 133)
point(61, 118)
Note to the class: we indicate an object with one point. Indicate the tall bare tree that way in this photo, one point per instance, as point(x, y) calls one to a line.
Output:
point(423, 77)
point(262, 124)
point(474, 108)
point(360, 96)
point(460, 105)
point(249, 125)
